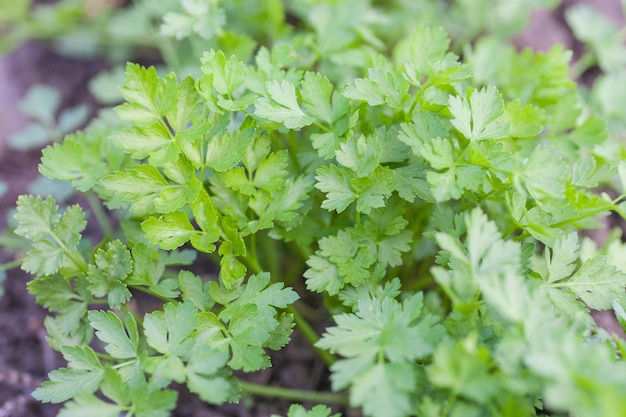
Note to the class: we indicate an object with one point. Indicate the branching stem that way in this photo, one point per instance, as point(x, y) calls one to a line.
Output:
point(309, 333)
point(295, 394)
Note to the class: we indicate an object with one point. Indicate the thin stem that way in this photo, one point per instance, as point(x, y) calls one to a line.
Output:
point(74, 256)
point(586, 61)
point(309, 333)
point(152, 293)
point(270, 254)
point(101, 217)
point(295, 394)
point(581, 217)
point(253, 264)
point(11, 265)
point(321, 126)
point(168, 52)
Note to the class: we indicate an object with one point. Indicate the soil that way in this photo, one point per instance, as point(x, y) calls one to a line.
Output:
point(25, 358)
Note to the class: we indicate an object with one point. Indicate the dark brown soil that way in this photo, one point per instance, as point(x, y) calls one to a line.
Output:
point(25, 358)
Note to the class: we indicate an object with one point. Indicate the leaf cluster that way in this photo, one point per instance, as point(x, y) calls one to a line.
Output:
point(433, 203)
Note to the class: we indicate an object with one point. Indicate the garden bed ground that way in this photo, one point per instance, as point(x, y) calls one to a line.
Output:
point(25, 358)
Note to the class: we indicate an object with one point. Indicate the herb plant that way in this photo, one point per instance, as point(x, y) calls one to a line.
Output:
point(433, 203)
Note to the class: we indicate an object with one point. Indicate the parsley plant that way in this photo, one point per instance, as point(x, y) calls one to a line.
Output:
point(432, 201)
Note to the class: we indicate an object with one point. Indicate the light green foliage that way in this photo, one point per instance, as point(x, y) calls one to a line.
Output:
point(601, 34)
point(55, 237)
point(42, 104)
point(344, 148)
point(282, 106)
point(476, 118)
point(380, 341)
point(203, 17)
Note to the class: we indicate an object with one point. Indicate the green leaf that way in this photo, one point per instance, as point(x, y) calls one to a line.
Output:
point(207, 217)
point(425, 46)
point(139, 90)
point(224, 75)
point(544, 174)
point(72, 118)
point(87, 405)
point(169, 231)
point(226, 150)
point(597, 283)
point(372, 191)
point(464, 367)
point(360, 155)
point(55, 237)
point(110, 330)
point(142, 143)
point(282, 106)
point(74, 161)
point(561, 258)
point(384, 327)
point(323, 275)
point(140, 186)
point(204, 18)
point(316, 96)
point(479, 117)
point(33, 136)
point(83, 375)
point(526, 121)
point(194, 290)
point(205, 376)
point(271, 173)
point(107, 276)
point(380, 342)
point(382, 86)
point(410, 182)
point(36, 217)
point(386, 389)
point(41, 103)
point(250, 312)
point(336, 183)
point(266, 297)
point(170, 331)
point(152, 403)
point(43, 258)
point(424, 128)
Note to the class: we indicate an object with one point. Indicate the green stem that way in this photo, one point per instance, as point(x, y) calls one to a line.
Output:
point(295, 394)
point(74, 256)
point(581, 217)
point(309, 333)
point(321, 126)
point(586, 61)
point(147, 291)
point(168, 52)
point(252, 260)
point(101, 217)
point(270, 255)
point(11, 265)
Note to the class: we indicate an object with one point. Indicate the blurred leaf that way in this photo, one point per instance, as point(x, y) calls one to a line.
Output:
point(105, 86)
point(72, 118)
point(61, 191)
point(32, 136)
point(41, 103)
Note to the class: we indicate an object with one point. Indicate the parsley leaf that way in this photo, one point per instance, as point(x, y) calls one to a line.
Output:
point(83, 375)
point(282, 106)
point(478, 117)
point(378, 342)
